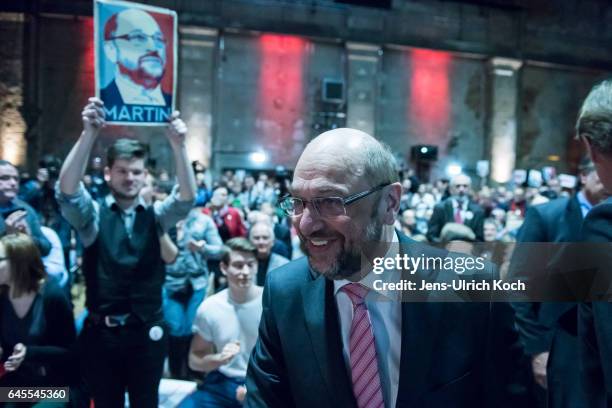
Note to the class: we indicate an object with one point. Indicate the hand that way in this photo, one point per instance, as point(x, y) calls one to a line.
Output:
point(16, 222)
point(177, 130)
point(229, 351)
point(15, 360)
point(93, 116)
point(196, 246)
point(538, 367)
point(241, 393)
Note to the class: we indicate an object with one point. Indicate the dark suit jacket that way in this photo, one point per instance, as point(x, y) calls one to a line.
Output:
point(550, 326)
point(443, 213)
point(447, 349)
point(553, 222)
point(595, 319)
point(111, 96)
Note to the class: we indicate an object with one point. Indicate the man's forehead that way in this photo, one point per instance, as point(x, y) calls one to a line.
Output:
point(317, 186)
point(261, 229)
point(136, 20)
point(7, 169)
point(241, 256)
point(129, 164)
point(460, 180)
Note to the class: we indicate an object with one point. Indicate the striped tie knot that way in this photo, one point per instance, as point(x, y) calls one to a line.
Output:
point(356, 292)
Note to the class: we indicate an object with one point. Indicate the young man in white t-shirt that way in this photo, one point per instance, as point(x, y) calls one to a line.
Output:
point(226, 327)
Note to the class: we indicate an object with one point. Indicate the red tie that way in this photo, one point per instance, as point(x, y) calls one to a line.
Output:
point(364, 363)
point(458, 218)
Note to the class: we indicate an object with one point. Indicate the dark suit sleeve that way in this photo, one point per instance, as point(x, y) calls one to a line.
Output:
point(37, 235)
point(507, 376)
point(535, 336)
point(436, 222)
point(590, 358)
point(479, 225)
point(267, 381)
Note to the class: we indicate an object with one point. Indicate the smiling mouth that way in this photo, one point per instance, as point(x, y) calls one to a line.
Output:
point(319, 245)
point(151, 59)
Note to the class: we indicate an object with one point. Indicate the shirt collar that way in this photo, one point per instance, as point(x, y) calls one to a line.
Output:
point(132, 93)
point(464, 203)
point(585, 205)
point(111, 203)
point(386, 276)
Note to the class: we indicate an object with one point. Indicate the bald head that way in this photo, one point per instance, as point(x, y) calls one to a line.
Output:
point(349, 151)
point(460, 185)
point(135, 19)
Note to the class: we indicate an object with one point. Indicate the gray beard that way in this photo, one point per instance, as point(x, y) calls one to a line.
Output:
point(349, 261)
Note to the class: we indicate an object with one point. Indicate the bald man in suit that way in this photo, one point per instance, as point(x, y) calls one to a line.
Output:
point(345, 196)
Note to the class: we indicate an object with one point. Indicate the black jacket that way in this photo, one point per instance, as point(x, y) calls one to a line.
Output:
point(595, 319)
point(452, 354)
point(443, 213)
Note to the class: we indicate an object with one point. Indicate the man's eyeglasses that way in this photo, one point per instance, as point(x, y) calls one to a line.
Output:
point(326, 207)
point(140, 40)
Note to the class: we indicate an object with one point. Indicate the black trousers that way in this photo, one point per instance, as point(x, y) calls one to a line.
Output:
point(120, 359)
point(564, 382)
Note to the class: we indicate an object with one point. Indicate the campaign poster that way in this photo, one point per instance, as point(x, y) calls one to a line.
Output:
point(135, 62)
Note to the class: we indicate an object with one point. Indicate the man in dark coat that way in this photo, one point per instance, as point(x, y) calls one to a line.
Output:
point(594, 127)
point(458, 208)
point(549, 330)
point(331, 336)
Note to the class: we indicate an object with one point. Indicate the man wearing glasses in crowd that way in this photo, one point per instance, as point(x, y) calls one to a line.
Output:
point(134, 42)
point(327, 338)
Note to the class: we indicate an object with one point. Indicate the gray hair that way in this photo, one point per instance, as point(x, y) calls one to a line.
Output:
point(375, 163)
point(595, 118)
point(266, 224)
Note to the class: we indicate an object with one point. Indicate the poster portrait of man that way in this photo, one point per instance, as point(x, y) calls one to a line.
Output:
point(135, 62)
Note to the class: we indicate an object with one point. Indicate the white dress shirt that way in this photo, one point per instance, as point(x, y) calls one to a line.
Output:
point(385, 309)
point(135, 94)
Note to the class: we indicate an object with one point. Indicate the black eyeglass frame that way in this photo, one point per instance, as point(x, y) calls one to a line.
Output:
point(345, 201)
point(130, 37)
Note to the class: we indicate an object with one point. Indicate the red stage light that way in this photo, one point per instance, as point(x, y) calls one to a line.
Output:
point(281, 87)
point(429, 105)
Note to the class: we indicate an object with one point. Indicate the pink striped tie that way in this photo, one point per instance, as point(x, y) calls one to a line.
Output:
point(364, 364)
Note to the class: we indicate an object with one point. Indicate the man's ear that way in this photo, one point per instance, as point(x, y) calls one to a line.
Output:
point(110, 50)
point(223, 268)
point(593, 153)
point(391, 202)
point(107, 174)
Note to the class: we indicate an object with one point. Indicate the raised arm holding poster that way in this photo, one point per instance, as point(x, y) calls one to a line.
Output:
point(135, 60)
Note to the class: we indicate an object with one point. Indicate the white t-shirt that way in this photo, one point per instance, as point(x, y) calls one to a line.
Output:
point(219, 320)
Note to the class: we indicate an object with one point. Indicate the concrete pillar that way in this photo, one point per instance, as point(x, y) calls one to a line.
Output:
point(13, 144)
point(195, 88)
point(362, 86)
point(502, 117)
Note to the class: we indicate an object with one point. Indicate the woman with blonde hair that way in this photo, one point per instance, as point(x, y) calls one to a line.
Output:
point(36, 322)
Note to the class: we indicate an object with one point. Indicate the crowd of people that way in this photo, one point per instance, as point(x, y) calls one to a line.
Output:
point(173, 277)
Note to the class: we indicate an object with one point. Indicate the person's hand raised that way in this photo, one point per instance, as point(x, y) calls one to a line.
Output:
point(94, 117)
point(17, 222)
point(177, 130)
